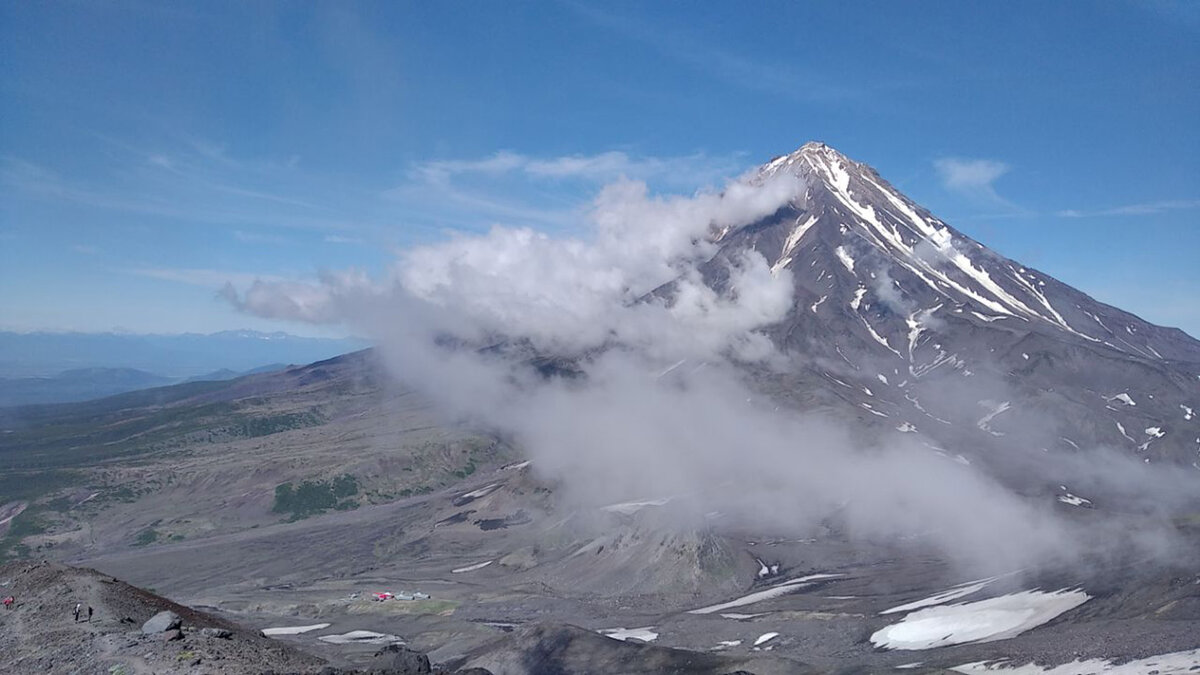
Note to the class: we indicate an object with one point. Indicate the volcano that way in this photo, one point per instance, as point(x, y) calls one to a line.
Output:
point(898, 316)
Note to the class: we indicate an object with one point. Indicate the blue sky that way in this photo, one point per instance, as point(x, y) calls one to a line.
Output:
point(151, 152)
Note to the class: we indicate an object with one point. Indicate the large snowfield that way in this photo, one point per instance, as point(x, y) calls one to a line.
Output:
point(983, 621)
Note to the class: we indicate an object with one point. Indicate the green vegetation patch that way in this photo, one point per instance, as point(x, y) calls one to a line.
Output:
point(146, 537)
point(31, 485)
point(313, 497)
point(27, 523)
point(466, 470)
point(253, 427)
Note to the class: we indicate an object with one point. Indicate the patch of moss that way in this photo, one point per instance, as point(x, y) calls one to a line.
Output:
point(312, 497)
point(253, 427)
point(25, 524)
point(466, 470)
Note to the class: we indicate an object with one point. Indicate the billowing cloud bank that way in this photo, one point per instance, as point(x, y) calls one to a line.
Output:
point(647, 398)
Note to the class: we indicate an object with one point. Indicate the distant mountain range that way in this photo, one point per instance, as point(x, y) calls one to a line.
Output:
point(85, 384)
point(173, 357)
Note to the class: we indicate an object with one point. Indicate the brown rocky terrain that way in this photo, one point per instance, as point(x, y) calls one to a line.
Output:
point(39, 634)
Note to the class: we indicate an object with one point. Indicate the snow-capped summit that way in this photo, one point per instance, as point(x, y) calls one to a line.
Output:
point(812, 156)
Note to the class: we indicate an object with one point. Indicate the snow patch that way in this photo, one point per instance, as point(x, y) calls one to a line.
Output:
point(670, 369)
point(790, 586)
point(644, 634)
point(858, 296)
point(845, 258)
point(780, 264)
point(476, 494)
point(1175, 663)
point(630, 508)
point(984, 422)
point(1121, 428)
point(292, 630)
point(996, 618)
point(868, 408)
point(959, 591)
point(765, 638)
point(1122, 397)
point(361, 637)
point(878, 337)
point(471, 568)
point(796, 235)
point(1073, 500)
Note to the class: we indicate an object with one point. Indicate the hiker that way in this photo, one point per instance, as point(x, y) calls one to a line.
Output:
point(89, 613)
point(8, 602)
point(78, 608)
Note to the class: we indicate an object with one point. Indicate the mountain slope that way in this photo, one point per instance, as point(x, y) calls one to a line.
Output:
point(40, 634)
point(76, 385)
point(921, 328)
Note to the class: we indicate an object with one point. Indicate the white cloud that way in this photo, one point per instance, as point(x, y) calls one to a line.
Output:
point(575, 293)
point(513, 188)
point(207, 278)
point(970, 175)
point(195, 182)
point(1144, 209)
point(692, 170)
point(259, 238)
point(336, 297)
point(620, 307)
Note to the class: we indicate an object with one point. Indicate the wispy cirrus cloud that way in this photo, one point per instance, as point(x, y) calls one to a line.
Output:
point(975, 179)
point(694, 169)
point(180, 185)
point(248, 237)
point(514, 188)
point(1143, 209)
point(782, 78)
point(204, 277)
